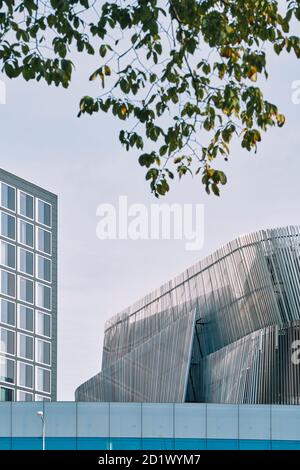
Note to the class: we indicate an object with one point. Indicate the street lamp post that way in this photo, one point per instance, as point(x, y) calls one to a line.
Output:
point(41, 415)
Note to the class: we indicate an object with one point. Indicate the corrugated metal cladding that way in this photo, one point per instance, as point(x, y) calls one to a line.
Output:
point(225, 331)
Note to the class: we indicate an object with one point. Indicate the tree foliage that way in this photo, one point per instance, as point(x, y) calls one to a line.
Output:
point(181, 74)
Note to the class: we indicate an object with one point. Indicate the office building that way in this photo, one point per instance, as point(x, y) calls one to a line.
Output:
point(28, 291)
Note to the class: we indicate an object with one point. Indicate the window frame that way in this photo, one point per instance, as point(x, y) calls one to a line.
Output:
point(36, 352)
point(37, 368)
point(14, 335)
point(18, 318)
point(37, 256)
point(37, 199)
point(9, 324)
point(12, 274)
point(1, 234)
point(9, 388)
point(19, 290)
point(37, 312)
point(20, 191)
point(14, 362)
point(37, 284)
point(27, 393)
point(18, 375)
point(14, 246)
point(37, 228)
point(18, 347)
point(20, 221)
point(15, 189)
point(19, 261)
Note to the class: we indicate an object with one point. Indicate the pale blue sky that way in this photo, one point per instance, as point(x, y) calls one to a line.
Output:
point(82, 162)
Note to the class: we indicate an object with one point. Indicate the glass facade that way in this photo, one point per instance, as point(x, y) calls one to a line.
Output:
point(28, 291)
point(147, 426)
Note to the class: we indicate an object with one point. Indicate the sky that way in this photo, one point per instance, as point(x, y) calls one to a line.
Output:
point(82, 161)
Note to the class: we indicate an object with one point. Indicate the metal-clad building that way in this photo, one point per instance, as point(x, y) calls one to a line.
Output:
point(28, 291)
point(225, 331)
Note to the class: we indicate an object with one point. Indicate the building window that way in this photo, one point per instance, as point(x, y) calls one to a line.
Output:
point(43, 324)
point(8, 197)
point(25, 205)
point(25, 318)
point(6, 394)
point(7, 370)
point(25, 290)
point(7, 312)
point(41, 398)
point(43, 296)
point(43, 240)
point(8, 255)
point(8, 226)
point(8, 283)
point(43, 213)
point(25, 375)
point(42, 380)
point(25, 233)
point(25, 261)
point(43, 352)
point(43, 268)
point(24, 396)
point(25, 346)
point(7, 341)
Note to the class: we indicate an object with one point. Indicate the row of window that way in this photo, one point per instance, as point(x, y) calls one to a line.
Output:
point(26, 205)
point(25, 261)
point(26, 318)
point(25, 290)
point(25, 233)
point(8, 394)
point(25, 346)
point(25, 375)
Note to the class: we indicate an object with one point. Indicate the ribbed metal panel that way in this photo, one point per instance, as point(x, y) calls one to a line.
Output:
point(156, 370)
point(254, 369)
point(246, 297)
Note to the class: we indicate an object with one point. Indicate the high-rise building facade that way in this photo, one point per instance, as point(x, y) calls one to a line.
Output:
point(28, 291)
point(227, 330)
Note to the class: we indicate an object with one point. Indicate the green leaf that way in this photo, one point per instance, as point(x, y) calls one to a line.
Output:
point(103, 50)
point(163, 150)
point(215, 189)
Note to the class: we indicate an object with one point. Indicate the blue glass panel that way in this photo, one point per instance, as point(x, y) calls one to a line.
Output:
point(254, 444)
point(158, 444)
point(5, 443)
point(190, 444)
point(158, 420)
point(125, 443)
point(92, 443)
point(93, 420)
point(222, 422)
point(285, 445)
point(25, 420)
point(125, 420)
point(5, 419)
point(27, 443)
point(255, 422)
point(60, 419)
point(286, 423)
point(222, 444)
point(61, 443)
point(190, 420)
